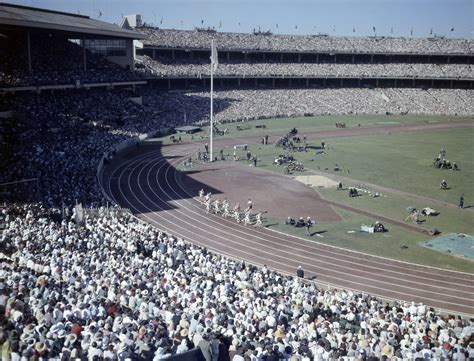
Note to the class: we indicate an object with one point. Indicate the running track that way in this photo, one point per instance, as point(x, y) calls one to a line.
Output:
point(148, 183)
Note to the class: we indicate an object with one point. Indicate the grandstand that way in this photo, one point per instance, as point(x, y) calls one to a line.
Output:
point(45, 49)
point(305, 61)
point(81, 279)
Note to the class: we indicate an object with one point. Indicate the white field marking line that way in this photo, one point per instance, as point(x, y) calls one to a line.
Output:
point(389, 259)
point(347, 253)
point(330, 277)
point(194, 205)
point(210, 247)
point(211, 219)
point(143, 163)
point(205, 231)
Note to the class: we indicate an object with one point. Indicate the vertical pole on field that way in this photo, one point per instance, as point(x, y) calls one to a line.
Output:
point(212, 101)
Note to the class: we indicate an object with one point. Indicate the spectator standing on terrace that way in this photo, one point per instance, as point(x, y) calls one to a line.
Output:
point(205, 347)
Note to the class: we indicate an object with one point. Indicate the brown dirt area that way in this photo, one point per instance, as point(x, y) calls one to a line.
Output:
point(279, 195)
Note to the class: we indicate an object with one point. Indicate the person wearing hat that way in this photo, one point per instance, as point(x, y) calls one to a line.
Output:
point(41, 349)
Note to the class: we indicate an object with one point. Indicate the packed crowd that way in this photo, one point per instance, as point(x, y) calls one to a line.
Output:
point(248, 41)
point(163, 68)
point(237, 105)
point(62, 137)
point(67, 133)
point(47, 70)
point(109, 287)
point(101, 285)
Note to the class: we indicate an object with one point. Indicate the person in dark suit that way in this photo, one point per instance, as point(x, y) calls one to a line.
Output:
point(300, 272)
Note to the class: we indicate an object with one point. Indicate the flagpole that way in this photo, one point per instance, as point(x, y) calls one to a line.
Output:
point(212, 101)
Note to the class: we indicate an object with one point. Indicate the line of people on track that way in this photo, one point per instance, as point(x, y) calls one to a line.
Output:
point(223, 208)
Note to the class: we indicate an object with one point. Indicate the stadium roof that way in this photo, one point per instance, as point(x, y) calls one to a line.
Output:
point(28, 17)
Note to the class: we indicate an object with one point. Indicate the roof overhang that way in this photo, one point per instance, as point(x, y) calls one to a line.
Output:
point(23, 17)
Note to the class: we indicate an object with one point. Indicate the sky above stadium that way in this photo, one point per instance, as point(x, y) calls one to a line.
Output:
point(416, 18)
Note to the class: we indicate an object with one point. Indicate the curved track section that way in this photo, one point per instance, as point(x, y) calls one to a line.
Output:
point(149, 184)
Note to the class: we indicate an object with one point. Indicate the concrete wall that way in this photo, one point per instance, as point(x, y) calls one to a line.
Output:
point(128, 60)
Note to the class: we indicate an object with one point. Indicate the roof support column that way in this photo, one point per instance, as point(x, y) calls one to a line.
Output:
point(29, 51)
point(84, 52)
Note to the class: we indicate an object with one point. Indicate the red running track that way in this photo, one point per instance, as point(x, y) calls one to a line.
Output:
point(148, 183)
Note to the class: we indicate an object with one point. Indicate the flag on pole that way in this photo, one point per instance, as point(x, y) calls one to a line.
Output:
point(214, 57)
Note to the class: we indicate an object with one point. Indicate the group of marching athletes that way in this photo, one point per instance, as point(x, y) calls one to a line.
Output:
point(223, 208)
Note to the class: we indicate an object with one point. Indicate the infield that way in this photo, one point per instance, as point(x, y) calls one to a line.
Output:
point(393, 160)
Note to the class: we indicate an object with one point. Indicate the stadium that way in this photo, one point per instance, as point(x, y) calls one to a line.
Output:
point(320, 209)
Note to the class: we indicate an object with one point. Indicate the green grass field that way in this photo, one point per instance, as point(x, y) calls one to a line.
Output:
point(399, 162)
point(311, 124)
